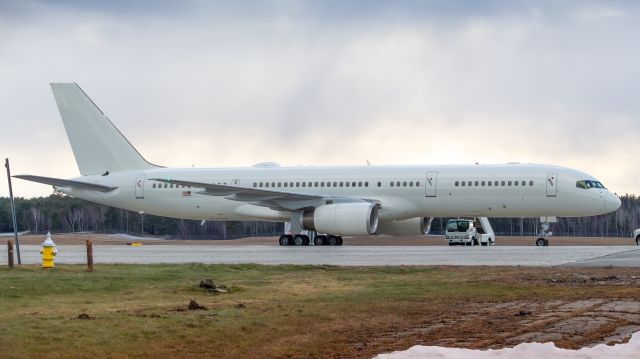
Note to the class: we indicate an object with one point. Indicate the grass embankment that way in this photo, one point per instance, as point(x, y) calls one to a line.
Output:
point(270, 311)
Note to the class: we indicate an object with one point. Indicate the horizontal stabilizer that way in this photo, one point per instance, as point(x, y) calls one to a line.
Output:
point(67, 183)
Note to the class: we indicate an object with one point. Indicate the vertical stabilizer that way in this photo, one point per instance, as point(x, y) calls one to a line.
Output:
point(97, 144)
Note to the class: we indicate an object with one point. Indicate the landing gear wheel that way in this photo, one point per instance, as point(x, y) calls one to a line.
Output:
point(285, 240)
point(332, 240)
point(300, 239)
point(339, 240)
point(638, 241)
point(541, 242)
point(475, 242)
point(320, 241)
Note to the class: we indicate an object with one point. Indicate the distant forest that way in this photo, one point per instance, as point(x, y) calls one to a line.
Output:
point(60, 213)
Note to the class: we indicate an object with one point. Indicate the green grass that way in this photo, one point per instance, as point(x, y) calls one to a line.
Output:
point(290, 311)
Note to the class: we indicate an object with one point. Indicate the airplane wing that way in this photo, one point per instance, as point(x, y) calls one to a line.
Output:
point(58, 182)
point(267, 198)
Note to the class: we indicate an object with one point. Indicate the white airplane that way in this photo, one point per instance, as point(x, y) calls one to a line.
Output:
point(333, 201)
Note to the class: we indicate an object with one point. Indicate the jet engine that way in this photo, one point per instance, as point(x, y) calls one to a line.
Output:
point(349, 219)
point(418, 226)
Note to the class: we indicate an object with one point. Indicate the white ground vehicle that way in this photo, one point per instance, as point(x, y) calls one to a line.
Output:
point(636, 235)
point(470, 232)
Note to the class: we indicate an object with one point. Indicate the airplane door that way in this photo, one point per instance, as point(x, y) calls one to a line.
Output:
point(431, 184)
point(552, 184)
point(140, 186)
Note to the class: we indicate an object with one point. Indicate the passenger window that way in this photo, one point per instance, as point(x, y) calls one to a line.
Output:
point(524, 183)
point(469, 183)
point(261, 184)
point(482, 183)
point(476, 183)
point(285, 184)
point(417, 183)
point(457, 183)
point(335, 184)
point(404, 184)
point(509, 183)
point(411, 184)
point(328, 184)
point(321, 184)
point(353, 184)
point(341, 184)
point(166, 185)
point(398, 184)
point(379, 184)
point(530, 183)
point(154, 185)
point(310, 184)
point(359, 184)
point(297, 184)
point(279, 184)
point(304, 184)
point(366, 184)
point(266, 184)
point(515, 183)
point(391, 184)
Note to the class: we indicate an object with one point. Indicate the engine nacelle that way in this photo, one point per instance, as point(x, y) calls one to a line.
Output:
point(348, 219)
point(418, 226)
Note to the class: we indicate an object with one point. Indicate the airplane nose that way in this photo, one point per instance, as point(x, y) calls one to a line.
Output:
point(612, 202)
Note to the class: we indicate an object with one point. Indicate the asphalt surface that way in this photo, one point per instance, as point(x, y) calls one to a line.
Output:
point(594, 256)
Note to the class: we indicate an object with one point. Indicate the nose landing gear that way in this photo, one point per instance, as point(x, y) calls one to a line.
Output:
point(545, 232)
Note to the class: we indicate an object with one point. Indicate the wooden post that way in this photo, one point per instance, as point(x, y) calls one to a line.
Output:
point(89, 256)
point(10, 251)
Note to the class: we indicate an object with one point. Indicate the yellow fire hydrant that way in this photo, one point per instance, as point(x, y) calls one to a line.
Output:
point(48, 252)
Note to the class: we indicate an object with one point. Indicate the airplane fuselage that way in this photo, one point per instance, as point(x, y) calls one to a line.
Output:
point(510, 190)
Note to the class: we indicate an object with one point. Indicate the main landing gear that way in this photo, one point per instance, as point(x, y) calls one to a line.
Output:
point(303, 240)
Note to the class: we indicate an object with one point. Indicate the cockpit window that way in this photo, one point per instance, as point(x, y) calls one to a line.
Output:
point(586, 184)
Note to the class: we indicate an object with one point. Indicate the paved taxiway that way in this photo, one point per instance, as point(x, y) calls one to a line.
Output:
point(623, 256)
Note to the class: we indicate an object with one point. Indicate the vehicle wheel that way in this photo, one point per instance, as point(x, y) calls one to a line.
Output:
point(284, 240)
point(320, 241)
point(475, 241)
point(541, 242)
point(298, 240)
point(332, 240)
point(546, 242)
point(339, 240)
point(484, 243)
point(638, 241)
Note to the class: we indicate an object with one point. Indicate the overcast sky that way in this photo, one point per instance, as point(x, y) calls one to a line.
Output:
point(329, 82)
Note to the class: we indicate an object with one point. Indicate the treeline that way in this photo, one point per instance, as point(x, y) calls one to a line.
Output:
point(60, 213)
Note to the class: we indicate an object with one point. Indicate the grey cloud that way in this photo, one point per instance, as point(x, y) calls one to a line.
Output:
point(233, 83)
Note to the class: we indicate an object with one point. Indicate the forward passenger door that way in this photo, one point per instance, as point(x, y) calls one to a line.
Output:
point(431, 184)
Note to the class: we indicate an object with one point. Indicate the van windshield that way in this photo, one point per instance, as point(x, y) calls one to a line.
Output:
point(457, 226)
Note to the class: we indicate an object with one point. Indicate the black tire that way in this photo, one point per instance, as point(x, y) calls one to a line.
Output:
point(546, 242)
point(320, 241)
point(475, 241)
point(284, 240)
point(541, 242)
point(638, 240)
point(340, 240)
point(332, 240)
point(484, 243)
point(298, 240)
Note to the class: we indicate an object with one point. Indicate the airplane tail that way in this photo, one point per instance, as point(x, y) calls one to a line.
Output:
point(97, 144)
